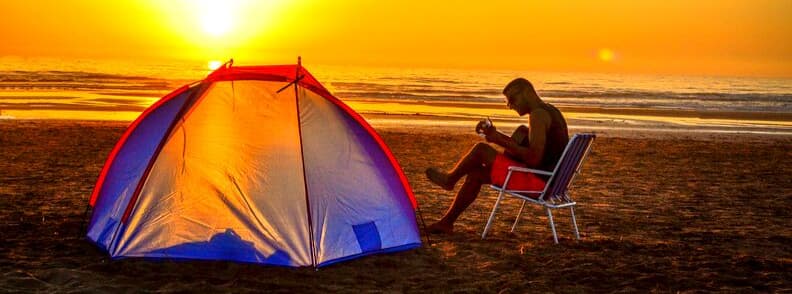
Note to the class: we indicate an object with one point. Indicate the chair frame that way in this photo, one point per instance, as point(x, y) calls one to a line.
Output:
point(549, 202)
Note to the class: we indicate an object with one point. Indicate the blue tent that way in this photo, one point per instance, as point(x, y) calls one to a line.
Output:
point(255, 164)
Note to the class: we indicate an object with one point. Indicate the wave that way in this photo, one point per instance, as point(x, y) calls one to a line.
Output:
point(60, 76)
point(581, 91)
point(421, 80)
point(626, 99)
point(710, 96)
point(79, 80)
point(639, 95)
point(71, 106)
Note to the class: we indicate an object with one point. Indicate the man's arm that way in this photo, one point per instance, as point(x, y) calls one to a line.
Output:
point(531, 155)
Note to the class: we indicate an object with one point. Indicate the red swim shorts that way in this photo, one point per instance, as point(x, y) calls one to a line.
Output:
point(518, 180)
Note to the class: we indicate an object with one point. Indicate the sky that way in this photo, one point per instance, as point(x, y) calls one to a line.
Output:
point(726, 37)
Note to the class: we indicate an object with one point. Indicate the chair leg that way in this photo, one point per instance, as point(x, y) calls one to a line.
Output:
point(574, 222)
point(516, 220)
point(552, 225)
point(492, 215)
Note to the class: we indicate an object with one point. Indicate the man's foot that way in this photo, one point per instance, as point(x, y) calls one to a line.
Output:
point(439, 178)
point(440, 228)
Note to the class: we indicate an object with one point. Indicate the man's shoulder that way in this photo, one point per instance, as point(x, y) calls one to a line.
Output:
point(551, 108)
point(540, 113)
point(552, 112)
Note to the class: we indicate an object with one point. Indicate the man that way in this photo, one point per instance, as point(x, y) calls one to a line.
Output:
point(538, 146)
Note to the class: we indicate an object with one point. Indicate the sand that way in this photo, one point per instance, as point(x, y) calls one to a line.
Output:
point(664, 213)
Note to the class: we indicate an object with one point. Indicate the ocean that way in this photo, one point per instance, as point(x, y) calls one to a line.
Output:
point(42, 88)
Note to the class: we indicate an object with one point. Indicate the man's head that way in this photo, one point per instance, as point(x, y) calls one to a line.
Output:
point(521, 96)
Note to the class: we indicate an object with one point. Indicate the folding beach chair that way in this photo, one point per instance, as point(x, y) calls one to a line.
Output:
point(555, 194)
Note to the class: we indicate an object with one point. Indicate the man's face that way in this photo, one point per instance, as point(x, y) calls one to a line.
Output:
point(511, 99)
point(515, 100)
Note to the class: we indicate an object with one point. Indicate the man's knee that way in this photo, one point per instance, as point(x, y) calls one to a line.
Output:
point(521, 135)
point(484, 152)
point(522, 129)
point(482, 147)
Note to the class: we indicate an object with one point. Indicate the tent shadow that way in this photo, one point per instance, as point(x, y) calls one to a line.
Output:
point(227, 245)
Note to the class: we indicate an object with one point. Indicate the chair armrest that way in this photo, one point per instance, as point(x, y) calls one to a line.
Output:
point(530, 170)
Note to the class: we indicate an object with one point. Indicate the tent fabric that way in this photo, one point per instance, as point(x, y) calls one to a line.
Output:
point(339, 202)
point(127, 163)
point(234, 169)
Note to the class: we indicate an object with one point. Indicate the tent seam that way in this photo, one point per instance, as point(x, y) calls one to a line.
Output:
point(133, 200)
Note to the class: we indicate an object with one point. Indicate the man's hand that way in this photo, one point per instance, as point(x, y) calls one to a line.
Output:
point(490, 133)
point(480, 126)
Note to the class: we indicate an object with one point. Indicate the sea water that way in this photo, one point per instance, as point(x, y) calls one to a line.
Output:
point(120, 90)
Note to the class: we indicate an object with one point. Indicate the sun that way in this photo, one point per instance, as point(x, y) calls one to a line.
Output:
point(214, 64)
point(216, 17)
point(606, 55)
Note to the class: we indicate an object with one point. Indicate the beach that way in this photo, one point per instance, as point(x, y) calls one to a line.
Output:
point(245, 131)
point(662, 211)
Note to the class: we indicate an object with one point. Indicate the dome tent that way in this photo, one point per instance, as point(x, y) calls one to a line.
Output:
point(255, 164)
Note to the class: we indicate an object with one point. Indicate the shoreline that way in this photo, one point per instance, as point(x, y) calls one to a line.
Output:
point(434, 125)
point(431, 125)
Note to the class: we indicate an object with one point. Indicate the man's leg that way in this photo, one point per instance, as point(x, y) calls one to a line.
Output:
point(477, 165)
point(481, 154)
point(464, 197)
point(520, 136)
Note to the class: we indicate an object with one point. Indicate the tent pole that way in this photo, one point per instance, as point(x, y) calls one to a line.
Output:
point(297, 78)
point(130, 206)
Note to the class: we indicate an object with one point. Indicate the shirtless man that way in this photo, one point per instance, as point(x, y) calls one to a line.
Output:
point(538, 146)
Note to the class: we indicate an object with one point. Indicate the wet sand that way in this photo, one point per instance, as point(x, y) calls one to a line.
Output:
point(671, 212)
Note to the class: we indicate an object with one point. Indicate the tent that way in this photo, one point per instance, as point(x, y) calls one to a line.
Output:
point(256, 164)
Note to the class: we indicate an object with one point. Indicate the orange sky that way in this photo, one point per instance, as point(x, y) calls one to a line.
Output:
point(686, 37)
